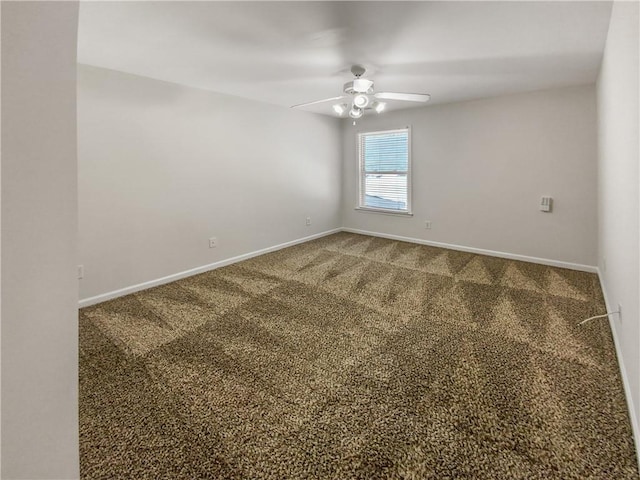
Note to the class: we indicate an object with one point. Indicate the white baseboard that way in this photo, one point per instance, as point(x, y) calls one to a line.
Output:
point(480, 251)
point(635, 427)
point(86, 302)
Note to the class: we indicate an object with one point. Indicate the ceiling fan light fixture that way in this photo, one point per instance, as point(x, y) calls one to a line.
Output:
point(355, 112)
point(361, 100)
point(340, 108)
point(379, 107)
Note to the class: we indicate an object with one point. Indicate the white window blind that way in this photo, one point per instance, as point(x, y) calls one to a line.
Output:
point(385, 171)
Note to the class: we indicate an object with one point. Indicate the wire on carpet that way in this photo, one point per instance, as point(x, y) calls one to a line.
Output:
point(598, 316)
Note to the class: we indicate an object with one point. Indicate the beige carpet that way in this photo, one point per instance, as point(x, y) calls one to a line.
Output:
point(352, 357)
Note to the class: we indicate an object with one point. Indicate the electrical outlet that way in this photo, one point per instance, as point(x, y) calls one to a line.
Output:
point(213, 242)
point(546, 204)
point(427, 224)
point(80, 271)
point(308, 221)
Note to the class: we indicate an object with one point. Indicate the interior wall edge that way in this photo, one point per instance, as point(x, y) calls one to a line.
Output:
point(628, 392)
point(39, 345)
point(103, 297)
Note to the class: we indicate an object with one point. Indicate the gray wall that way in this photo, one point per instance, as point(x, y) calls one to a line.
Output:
point(618, 190)
point(163, 167)
point(39, 238)
point(480, 168)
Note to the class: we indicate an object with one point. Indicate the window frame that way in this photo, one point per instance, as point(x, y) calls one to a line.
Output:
point(361, 174)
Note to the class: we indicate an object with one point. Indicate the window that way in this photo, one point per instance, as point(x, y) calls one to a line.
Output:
point(385, 171)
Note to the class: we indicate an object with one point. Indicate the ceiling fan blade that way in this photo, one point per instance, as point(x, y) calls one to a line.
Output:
point(407, 97)
point(318, 101)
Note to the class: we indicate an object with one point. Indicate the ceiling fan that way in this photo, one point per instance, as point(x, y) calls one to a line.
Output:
point(359, 96)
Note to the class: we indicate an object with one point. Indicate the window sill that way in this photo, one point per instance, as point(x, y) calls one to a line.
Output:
point(384, 212)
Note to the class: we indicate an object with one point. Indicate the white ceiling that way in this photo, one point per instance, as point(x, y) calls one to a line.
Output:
point(292, 52)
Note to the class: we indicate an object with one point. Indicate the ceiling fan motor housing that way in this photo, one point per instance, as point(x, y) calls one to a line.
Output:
point(359, 85)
